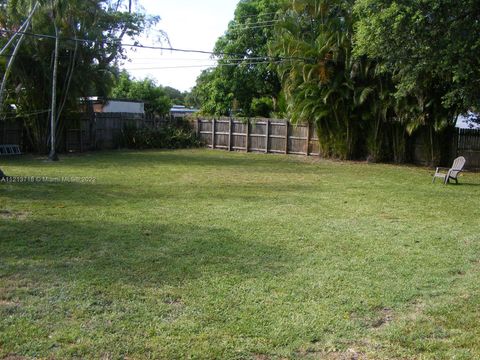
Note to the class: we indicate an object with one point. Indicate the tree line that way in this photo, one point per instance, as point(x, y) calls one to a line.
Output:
point(56, 52)
point(368, 74)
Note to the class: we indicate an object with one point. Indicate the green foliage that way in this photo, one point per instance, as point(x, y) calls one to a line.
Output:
point(367, 73)
point(319, 84)
point(243, 72)
point(177, 97)
point(212, 93)
point(169, 136)
point(262, 107)
point(85, 68)
point(431, 48)
point(157, 102)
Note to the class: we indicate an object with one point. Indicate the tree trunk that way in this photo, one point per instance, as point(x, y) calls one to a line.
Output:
point(15, 52)
point(8, 70)
point(53, 111)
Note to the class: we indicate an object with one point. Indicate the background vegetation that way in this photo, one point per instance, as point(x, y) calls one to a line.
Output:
point(368, 74)
point(170, 135)
point(85, 68)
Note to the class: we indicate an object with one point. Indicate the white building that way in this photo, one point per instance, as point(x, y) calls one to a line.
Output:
point(469, 120)
point(179, 111)
point(100, 105)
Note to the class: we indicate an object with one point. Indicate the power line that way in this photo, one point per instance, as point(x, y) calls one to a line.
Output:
point(255, 15)
point(148, 47)
point(254, 27)
point(26, 115)
point(257, 23)
point(207, 65)
point(212, 59)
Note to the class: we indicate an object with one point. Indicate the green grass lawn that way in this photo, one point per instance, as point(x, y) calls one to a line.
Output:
point(210, 254)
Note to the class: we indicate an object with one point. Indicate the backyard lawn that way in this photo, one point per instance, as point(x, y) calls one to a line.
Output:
point(217, 255)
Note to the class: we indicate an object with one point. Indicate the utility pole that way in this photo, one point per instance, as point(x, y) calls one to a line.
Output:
point(52, 156)
point(20, 31)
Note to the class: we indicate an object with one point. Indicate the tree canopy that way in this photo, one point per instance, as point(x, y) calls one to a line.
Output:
point(86, 66)
point(244, 75)
point(157, 102)
point(367, 73)
point(426, 44)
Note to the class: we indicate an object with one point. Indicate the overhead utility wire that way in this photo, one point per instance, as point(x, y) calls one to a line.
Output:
point(256, 23)
point(253, 27)
point(148, 47)
point(26, 115)
point(255, 15)
point(208, 65)
point(211, 59)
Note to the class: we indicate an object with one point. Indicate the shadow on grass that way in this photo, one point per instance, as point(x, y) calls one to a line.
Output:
point(95, 194)
point(466, 184)
point(198, 157)
point(135, 254)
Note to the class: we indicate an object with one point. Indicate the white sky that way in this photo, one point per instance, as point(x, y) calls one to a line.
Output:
point(189, 24)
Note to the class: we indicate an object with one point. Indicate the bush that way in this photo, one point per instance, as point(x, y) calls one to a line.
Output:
point(167, 136)
point(262, 106)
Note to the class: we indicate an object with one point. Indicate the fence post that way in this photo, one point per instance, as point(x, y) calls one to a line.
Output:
point(247, 140)
point(230, 126)
point(267, 131)
point(286, 136)
point(81, 138)
point(308, 139)
point(198, 128)
point(213, 134)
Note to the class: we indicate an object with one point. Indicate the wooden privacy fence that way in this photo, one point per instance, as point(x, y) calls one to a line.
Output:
point(468, 145)
point(11, 132)
point(100, 130)
point(268, 136)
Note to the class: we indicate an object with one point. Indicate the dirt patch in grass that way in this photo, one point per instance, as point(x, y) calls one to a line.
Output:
point(386, 316)
point(418, 308)
point(383, 317)
point(10, 214)
point(8, 303)
point(350, 354)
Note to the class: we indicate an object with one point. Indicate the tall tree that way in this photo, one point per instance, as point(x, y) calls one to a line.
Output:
point(244, 70)
point(432, 48)
point(319, 83)
point(85, 67)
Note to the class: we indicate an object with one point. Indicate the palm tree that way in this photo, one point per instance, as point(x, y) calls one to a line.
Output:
point(318, 86)
point(20, 33)
point(54, 74)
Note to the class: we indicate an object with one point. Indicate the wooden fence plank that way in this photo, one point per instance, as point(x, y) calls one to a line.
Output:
point(267, 130)
point(307, 144)
point(286, 136)
point(274, 136)
point(213, 134)
point(230, 135)
point(247, 135)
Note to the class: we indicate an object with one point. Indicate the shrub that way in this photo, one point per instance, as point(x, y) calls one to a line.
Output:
point(168, 136)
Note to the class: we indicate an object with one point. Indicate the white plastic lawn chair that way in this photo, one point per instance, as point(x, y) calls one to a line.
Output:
point(452, 173)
